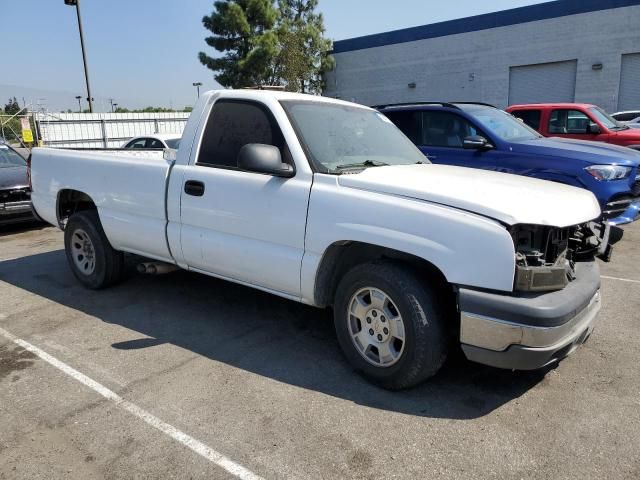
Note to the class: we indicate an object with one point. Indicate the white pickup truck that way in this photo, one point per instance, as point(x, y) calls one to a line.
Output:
point(327, 203)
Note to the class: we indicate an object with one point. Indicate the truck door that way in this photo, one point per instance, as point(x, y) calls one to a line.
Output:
point(241, 225)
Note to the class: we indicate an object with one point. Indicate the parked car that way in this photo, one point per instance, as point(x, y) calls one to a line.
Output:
point(157, 140)
point(481, 136)
point(580, 121)
point(327, 203)
point(630, 118)
point(15, 193)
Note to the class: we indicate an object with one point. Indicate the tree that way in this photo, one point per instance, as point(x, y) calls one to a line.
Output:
point(303, 52)
point(242, 30)
point(12, 107)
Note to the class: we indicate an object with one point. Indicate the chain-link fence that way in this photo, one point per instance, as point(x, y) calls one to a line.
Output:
point(103, 130)
point(12, 128)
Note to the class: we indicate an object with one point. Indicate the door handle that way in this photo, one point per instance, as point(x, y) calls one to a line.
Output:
point(194, 187)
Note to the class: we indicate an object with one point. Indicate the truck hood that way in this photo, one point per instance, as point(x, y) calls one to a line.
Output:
point(597, 153)
point(13, 177)
point(631, 135)
point(510, 199)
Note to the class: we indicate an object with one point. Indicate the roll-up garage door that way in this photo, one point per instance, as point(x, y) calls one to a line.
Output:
point(543, 83)
point(629, 97)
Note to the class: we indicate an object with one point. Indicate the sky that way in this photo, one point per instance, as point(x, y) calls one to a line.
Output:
point(144, 52)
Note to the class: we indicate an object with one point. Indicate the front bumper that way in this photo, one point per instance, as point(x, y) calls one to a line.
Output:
point(631, 214)
point(15, 212)
point(529, 331)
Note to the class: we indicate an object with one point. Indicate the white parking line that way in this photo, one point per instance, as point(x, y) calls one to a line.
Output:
point(620, 279)
point(200, 448)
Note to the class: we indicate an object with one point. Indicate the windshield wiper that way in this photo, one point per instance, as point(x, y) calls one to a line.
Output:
point(366, 163)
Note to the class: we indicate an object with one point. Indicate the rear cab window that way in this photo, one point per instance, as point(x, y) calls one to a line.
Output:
point(529, 117)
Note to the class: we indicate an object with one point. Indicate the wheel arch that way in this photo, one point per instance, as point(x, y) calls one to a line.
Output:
point(70, 201)
point(342, 256)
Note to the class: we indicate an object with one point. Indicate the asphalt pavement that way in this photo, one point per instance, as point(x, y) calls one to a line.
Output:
point(186, 376)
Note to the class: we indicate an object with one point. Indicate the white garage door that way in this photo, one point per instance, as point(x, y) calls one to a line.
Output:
point(629, 98)
point(543, 83)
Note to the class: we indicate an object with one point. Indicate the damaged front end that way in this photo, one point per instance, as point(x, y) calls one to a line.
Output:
point(546, 256)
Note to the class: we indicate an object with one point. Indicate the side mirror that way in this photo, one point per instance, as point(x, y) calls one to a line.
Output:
point(476, 142)
point(593, 129)
point(260, 158)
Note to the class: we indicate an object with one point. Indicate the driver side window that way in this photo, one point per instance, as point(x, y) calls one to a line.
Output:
point(569, 122)
point(233, 124)
point(445, 129)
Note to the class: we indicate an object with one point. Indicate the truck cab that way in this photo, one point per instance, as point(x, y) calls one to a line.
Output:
point(580, 121)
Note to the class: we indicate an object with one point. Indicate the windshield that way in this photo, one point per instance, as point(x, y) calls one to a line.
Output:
point(340, 137)
point(501, 123)
point(606, 120)
point(9, 158)
point(173, 142)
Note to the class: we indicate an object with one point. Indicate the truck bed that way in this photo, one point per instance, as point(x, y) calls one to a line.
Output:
point(129, 192)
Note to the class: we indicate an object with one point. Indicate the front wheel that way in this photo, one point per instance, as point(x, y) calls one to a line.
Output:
point(390, 324)
point(91, 257)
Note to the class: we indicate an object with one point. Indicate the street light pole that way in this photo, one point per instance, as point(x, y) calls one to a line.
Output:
point(197, 85)
point(112, 104)
point(78, 97)
point(76, 3)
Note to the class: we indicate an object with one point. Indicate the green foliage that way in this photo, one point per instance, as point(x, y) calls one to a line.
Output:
point(303, 52)
point(11, 128)
point(12, 107)
point(263, 44)
point(243, 31)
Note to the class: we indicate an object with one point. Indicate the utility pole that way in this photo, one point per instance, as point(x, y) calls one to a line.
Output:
point(76, 3)
point(112, 104)
point(78, 97)
point(197, 85)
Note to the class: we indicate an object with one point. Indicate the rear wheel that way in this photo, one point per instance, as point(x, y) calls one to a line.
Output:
point(91, 257)
point(390, 324)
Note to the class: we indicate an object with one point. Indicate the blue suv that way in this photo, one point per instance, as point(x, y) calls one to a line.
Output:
point(481, 136)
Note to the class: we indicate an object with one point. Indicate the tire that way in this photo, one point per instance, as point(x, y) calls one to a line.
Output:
point(91, 257)
point(423, 348)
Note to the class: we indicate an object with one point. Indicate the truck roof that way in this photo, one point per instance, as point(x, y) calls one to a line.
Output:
point(552, 105)
point(277, 95)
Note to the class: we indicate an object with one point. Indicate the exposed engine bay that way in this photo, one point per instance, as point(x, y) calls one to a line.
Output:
point(546, 256)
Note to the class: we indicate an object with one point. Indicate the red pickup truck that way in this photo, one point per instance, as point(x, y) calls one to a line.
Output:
point(576, 120)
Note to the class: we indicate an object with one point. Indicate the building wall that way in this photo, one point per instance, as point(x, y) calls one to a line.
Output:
point(474, 66)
